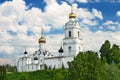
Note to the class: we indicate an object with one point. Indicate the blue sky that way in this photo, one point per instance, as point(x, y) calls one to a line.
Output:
point(21, 22)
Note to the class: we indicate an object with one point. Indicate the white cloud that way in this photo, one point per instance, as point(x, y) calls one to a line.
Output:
point(88, 17)
point(101, 27)
point(70, 1)
point(6, 61)
point(118, 13)
point(82, 1)
point(112, 1)
point(94, 0)
point(111, 25)
point(87, 1)
point(112, 28)
point(108, 23)
point(84, 13)
point(54, 42)
point(55, 14)
point(117, 36)
point(94, 40)
point(6, 49)
point(88, 22)
point(97, 13)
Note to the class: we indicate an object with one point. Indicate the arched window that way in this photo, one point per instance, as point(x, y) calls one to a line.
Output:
point(41, 60)
point(69, 33)
point(78, 34)
point(69, 48)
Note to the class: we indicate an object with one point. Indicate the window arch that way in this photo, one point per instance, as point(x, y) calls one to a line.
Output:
point(69, 48)
point(69, 33)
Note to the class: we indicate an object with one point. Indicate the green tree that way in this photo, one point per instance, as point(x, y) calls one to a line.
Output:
point(2, 73)
point(105, 52)
point(115, 54)
point(113, 72)
point(86, 66)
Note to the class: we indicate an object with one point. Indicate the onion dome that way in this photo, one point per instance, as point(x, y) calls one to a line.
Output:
point(60, 50)
point(42, 40)
point(72, 15)
point(35, 58)
point(25, 52)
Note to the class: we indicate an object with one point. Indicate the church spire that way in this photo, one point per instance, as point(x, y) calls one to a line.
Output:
point(42, 39)
point(71, 9)
point(72, 15)
point(42, 31)
point(25, 51)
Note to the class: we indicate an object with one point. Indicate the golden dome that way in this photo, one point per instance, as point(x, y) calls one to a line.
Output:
point(72, 15)
point(42, 40)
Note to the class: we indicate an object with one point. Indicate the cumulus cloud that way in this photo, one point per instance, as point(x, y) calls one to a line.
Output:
point(6, 49)
point(6, 61)
point(111, 25)
point(54, 42)
point(97, 13)
point(112, 1)
point(88, 18)
point(118, 13)
point(55, 14)
point(88, 22)
point(94, 40)
point(83, 1)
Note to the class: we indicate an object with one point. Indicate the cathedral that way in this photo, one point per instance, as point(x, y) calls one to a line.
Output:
point(42, 58)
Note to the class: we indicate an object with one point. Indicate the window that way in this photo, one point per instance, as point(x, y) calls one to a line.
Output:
point(69, 33)
point(69, 48)
point(78, 34)
point(41, 60)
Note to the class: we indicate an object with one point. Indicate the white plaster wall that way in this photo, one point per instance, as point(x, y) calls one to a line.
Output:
point(54, 62)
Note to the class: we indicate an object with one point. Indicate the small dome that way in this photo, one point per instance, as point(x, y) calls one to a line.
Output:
point(60, 50)
point(72, 15)
point(35, 58)
point(42, 40)
point(25, 52)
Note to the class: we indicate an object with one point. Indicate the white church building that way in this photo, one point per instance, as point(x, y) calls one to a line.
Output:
point(42, 58)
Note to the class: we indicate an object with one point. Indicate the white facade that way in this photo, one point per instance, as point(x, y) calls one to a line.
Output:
point(42, 58)
point(72, 43)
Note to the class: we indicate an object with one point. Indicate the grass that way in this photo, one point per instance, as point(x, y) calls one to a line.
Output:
point(57, 74)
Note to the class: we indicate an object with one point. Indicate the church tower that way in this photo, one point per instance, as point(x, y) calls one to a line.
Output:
point(72, 44)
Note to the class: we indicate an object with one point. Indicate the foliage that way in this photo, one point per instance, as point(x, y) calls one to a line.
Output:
point(2, 73)
point(115, 54)
point(110, 54)
point(86, 66)
point(113, 72)
point(105, 52)
point(9, 68)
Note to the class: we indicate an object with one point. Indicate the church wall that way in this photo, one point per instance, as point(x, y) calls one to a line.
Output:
point(53, 62)
point(19, 66)
point(66, 60)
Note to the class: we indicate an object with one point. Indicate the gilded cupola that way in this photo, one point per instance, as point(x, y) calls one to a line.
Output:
point(42, 39)
point(72, 15)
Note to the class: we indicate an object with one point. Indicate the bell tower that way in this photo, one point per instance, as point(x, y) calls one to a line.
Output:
point(72, 44)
